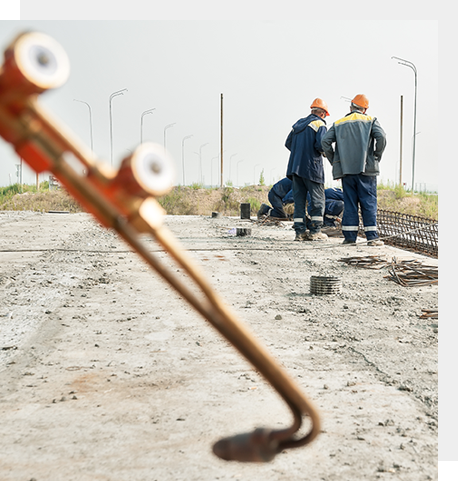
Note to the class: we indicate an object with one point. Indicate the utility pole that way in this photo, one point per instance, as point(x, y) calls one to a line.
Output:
point(221, 181)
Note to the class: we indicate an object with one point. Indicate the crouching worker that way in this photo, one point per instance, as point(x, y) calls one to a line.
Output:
point(333, 207)
point(279, 195)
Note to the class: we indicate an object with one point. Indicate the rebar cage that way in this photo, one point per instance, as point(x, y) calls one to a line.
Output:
point(406, 231)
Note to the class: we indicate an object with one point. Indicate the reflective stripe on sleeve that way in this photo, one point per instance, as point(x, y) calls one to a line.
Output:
point(317, 217)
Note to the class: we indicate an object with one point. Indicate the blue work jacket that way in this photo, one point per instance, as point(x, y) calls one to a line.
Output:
point(304, 143)
point(282, 187)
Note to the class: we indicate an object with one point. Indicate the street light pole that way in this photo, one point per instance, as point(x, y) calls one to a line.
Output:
point(114, 94)
point(200, 159)
point(90, 120)
point(409, 64)
point(150, 111)
point(237, 172)
point(254, 172)
point(230, 164)
point(165, 128)
point(211, 170)
point(182, 155)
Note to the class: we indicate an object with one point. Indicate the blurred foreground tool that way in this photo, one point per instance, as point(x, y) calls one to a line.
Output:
point(124, 200)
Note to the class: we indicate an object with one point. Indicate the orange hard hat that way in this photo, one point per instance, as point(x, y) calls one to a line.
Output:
point(361, 101)
point(320, 104)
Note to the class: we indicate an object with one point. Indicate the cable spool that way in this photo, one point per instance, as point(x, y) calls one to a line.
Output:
point(325, 285)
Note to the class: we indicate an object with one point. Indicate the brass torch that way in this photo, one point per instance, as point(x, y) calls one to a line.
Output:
point(125, 200)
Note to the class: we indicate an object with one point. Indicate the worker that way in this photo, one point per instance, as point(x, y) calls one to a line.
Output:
point(333, 204)
point(305, 169)
point(279, 195)
point(359, 144)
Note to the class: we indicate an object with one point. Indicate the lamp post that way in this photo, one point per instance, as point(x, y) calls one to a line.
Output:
point(112, 96)
point(90, 120)
point(230, 163)
point(165, 129)
point(409, 64)
point(211, 169)
point(237, 171)
point(200, 160)
point(271, 170)
point(146, 112)
point(182, 155)
point(254, 172)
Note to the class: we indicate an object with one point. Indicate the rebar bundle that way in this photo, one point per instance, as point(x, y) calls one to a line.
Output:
point(367, 262)
point(413, 273)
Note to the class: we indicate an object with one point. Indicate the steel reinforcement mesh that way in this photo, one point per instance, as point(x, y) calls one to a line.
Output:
point(406, 231)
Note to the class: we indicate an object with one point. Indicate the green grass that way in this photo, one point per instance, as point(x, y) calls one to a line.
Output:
point(195, 200)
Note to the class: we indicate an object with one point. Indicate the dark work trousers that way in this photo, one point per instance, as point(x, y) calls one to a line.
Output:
point(277, 205)
point(359, 190)
point(317, 201)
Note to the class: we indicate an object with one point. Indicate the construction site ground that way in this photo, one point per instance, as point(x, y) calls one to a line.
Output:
point(106, 374)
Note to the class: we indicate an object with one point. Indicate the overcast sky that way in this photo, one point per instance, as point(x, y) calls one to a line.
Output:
point(268, 72)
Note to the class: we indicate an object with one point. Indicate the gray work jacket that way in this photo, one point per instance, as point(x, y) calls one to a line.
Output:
point(359, 144)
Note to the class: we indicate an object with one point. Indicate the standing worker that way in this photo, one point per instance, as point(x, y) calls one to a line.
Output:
point(359, 144)
point(305, 169)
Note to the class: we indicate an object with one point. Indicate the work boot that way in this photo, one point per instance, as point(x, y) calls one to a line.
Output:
point(375, 242)
point(263, 210)
point(301, 236)
point(349, 242)
point(317, 236)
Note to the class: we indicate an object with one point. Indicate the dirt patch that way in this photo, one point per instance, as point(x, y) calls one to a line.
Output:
point(106, 374)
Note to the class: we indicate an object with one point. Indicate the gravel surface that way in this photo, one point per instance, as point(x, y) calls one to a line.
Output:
point(106, 374)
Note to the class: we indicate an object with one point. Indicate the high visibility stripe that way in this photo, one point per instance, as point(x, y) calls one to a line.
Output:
point(350, 227)
point(354, 117)
point(316, 217)
point(299, 221)
point(370, 228)
point(316, 124)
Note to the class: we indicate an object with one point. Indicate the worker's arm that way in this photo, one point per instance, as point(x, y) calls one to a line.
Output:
point(380, 140)
point(326, 143)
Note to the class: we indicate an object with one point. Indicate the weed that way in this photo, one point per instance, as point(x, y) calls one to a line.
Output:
point(255, 204)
